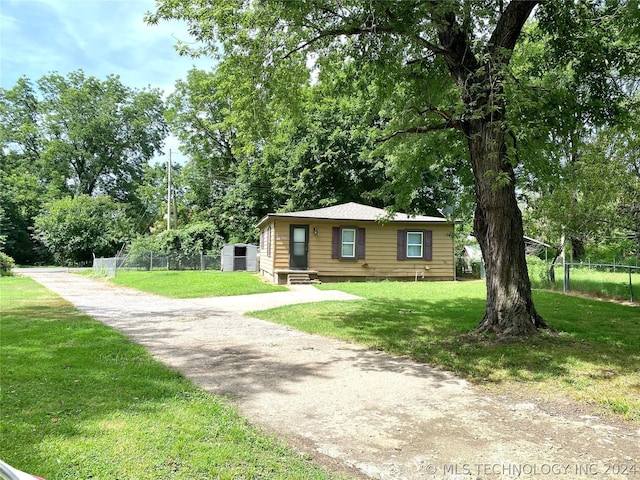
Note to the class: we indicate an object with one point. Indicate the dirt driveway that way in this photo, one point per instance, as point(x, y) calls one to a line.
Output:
point(359, 412)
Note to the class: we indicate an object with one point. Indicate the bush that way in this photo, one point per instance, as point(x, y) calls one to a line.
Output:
point(6, 265)
point(620, 252)
point(141, 251)
point(181, 247)
point(538, 272)
point(77, 229)
point(466, 268)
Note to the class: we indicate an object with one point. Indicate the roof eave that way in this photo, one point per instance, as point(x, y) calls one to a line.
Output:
point(266, 218)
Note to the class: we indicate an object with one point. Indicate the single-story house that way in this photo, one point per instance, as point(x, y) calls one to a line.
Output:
point(355, 242)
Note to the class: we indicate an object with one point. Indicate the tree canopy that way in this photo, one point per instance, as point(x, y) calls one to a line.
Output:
point(82, 134)
point(73, 135)
point(429, 67)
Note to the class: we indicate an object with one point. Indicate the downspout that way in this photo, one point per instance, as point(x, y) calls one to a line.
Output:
point(453, 252)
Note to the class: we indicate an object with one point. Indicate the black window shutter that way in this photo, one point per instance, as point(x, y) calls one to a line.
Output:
point(428, 244)
point(360, 245)
point(335, 242)
point(402, 244)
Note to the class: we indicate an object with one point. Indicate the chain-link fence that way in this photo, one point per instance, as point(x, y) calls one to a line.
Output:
point(153, 261)
point(620, 282)
point(615, 281)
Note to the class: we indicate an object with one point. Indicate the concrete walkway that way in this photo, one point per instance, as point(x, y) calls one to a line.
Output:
point(358, 411)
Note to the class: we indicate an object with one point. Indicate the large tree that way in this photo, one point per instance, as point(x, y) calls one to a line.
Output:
point(575, 174)
point(73, 135)
point(323, 155)
point(82, 135)
point(594, 197)
point(435, 65)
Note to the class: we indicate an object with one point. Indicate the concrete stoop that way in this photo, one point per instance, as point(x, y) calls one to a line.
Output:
point(298, 279)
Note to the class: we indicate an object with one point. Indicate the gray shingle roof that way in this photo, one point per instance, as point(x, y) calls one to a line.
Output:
point(357, 212)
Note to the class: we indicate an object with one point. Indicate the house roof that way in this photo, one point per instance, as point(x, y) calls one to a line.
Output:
point(472, 251)
point(356, 212)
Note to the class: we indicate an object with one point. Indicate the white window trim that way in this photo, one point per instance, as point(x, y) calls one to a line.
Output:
point(352, 244)
point(415, 244)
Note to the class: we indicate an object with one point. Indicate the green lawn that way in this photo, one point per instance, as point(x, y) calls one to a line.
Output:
point(194, 284)
point(592, 356)
point(78, 401)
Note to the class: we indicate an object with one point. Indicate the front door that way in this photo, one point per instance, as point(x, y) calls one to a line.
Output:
point(298, 247)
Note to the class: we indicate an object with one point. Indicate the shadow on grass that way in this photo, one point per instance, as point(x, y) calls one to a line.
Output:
point(74, 389)
point(440, 332)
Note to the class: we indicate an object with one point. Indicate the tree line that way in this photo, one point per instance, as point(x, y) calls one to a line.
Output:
point(514, 116)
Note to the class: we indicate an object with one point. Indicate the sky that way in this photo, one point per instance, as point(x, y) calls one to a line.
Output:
point(100, 37)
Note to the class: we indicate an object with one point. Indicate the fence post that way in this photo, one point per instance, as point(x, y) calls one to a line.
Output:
point(201, 262)
point(151, 261)
point(567, 277)
point(630, 286)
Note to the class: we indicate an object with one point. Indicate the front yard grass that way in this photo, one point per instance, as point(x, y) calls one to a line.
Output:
point(194, 284)
point(79, 400)
point(592, 355)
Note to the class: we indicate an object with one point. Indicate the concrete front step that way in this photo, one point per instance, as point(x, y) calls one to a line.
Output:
point(298, 279)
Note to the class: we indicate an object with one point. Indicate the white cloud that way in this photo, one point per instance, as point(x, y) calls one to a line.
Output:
point(100, 37)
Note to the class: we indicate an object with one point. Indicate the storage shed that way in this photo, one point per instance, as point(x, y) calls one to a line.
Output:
point(239, 256)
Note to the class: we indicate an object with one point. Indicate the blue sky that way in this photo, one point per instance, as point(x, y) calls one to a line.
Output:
point(101, 37)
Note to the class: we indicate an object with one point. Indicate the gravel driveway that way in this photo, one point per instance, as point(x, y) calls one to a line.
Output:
point(357, 411)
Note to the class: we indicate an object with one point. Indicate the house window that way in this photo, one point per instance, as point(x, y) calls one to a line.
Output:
point(269, 235)
point(348, 243)
point(414, 244)
point(265, 241)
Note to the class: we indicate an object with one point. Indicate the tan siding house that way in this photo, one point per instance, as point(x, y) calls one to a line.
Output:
point(355, 242)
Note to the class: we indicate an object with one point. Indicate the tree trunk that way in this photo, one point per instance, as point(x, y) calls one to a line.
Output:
point(577, 249)
point(498, 228)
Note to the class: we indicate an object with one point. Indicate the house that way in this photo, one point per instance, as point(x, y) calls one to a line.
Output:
point(355, 242)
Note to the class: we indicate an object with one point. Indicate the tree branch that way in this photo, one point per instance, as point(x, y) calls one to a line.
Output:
point(358, 30)
point(456, 44)
point(510, 24)
point(455, 125)
point(437, 111)
point(437, 49)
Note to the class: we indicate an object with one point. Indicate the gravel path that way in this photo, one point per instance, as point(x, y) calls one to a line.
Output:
point(359, 412)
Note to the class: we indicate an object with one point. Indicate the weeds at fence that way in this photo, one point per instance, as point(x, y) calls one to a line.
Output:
point(617, 282)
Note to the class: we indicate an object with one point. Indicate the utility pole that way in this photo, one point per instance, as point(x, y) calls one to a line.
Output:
point(169, 191)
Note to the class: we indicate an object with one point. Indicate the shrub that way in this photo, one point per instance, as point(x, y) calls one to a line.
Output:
point(181, 247)
point(6, 265)
point(538, 272)
point(141, 251)
point(76, 229)
point(620, 252)
point(466, 268)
